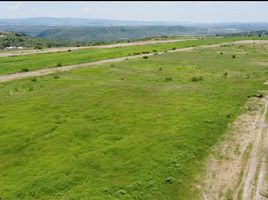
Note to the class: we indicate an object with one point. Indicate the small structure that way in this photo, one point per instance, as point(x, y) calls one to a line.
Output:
point(13, 48)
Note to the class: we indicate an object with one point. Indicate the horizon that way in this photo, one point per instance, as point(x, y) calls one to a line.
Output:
point(185, 12)
point(127, 20)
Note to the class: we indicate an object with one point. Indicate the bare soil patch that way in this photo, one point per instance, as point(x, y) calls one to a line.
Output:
point(235, 169)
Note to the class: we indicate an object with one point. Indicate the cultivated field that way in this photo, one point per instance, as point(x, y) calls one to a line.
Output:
point(137, 129)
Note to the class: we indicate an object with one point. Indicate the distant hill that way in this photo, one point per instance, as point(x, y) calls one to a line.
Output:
point(113, 33)
point(105, 30)
point(249, 33)
point(8, 39)
point(50, 21)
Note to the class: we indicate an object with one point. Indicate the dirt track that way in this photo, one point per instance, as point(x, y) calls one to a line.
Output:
point(45, 71)
point(60, 49)
point(237, 167)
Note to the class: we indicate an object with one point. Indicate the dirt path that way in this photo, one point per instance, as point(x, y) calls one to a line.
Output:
point(45, 71)
point(254, 176)
point(237, 168)
point(60, 49)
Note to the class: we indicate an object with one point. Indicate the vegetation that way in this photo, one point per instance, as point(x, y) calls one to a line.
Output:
point(77, 30)
point(131, 131)
point(8, 39)
point(38, 61)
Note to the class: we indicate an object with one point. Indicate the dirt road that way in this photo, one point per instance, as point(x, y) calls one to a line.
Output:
point(60, 49)
point(237, 167)
point(45, 71)
point(255, 170)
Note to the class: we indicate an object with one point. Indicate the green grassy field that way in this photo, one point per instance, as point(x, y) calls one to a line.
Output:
point(141, 129)
point(38, 61)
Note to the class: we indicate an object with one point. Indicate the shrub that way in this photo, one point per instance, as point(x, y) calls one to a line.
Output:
point(174, 48)
point(170, 180)
point(56, 77)
point(233, 56)
point(221, 53)
point(168, 79)
point(160, 69)
point(59, 64)
point(154, 50)
point(112, 65)
point(24, 70)
point(199, 78)
point(145, 57)
point(122, 192)
point(30, 89)
point(145, 52)
point(69, 50)
point(37, 47)
point(34, 80)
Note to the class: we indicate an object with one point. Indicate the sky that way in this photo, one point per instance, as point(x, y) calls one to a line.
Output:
point(201, 11)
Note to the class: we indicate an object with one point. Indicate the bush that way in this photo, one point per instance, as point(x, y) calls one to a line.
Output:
point(34, 80)
point(233, 56)
point(174, 48)
point(59, 64)
point(145, 52)
point(69, 50)
point(56, 77)
point(199, 78)
point(112, 65)
point(122, 192)
point(221, 53)
point(30, 89)
point(145, 57)
point(160, 69)
point(170, 180)
point(37, 47)
point(168, 79)
point(154, 50)
point(24, 70)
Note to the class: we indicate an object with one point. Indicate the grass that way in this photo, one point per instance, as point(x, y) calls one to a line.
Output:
point(32, 62)
point(122, 132)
